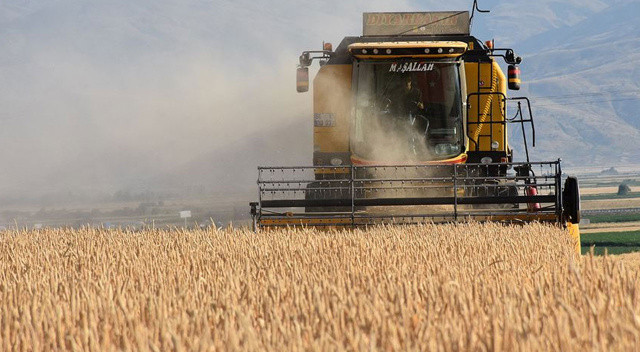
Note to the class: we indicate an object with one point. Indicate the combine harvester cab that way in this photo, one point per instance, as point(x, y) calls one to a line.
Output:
point(410, 126)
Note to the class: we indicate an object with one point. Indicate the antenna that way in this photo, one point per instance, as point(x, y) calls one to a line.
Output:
point(473, 11)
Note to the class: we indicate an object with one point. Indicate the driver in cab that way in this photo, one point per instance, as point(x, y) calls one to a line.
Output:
point(408, 100)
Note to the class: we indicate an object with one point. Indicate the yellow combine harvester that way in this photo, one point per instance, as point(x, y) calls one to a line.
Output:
point(410, 125)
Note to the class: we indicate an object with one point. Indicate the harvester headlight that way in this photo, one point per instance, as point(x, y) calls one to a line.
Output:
point(388, 51)
point(426, 51)
point(439, 50)
point(447, 149)
point(336, 161)
point(486, 160)
point(375, 51)
point(495, 145)
point(451, 50)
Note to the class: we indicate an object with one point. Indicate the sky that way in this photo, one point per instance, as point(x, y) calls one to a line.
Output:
point(110, 94)
point(105, 95)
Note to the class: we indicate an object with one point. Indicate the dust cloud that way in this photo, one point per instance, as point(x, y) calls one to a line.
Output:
point(183, 98)
point(116, 95)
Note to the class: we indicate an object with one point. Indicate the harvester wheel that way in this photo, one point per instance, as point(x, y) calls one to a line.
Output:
point(571, 200)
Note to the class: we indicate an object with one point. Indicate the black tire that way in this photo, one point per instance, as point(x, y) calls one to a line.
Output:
point(571, 200)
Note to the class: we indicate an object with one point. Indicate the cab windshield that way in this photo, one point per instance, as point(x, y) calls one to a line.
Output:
point(407, 111)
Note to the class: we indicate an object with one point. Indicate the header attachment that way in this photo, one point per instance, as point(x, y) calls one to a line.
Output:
point(416, 23)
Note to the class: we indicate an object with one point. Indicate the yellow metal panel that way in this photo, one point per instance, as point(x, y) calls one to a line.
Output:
point(305, 222)
point(486, 108)
point(324, 222)
point(332, 99)
point(332, 171)
point(521, 217)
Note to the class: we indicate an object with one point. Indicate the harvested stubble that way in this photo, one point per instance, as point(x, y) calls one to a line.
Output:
point(432, 287)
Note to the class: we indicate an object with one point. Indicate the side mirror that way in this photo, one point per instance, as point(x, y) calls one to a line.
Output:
point(514, 77)
point(302, 79)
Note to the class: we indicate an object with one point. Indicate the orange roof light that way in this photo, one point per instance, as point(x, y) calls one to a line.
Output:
point(490, 43)
point(327, 47)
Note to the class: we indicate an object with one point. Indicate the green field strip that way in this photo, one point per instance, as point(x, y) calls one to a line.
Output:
point(620, 217)
point(609, 249)
point(613, 242)
point(603, 196)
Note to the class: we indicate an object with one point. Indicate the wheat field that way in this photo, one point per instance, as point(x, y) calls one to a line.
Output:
point(479, 287)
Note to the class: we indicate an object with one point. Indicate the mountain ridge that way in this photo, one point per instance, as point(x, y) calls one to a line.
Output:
point(110, 94)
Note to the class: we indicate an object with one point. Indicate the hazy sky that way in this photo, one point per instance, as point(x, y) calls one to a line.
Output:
point(109, 94)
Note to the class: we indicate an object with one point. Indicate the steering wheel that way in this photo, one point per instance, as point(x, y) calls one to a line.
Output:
point(383, 105)
point(418, 140)
point(413, 120)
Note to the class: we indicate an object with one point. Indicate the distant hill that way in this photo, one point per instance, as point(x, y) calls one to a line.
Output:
point(111, 94)
point(511, 22)
point(585, 85)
